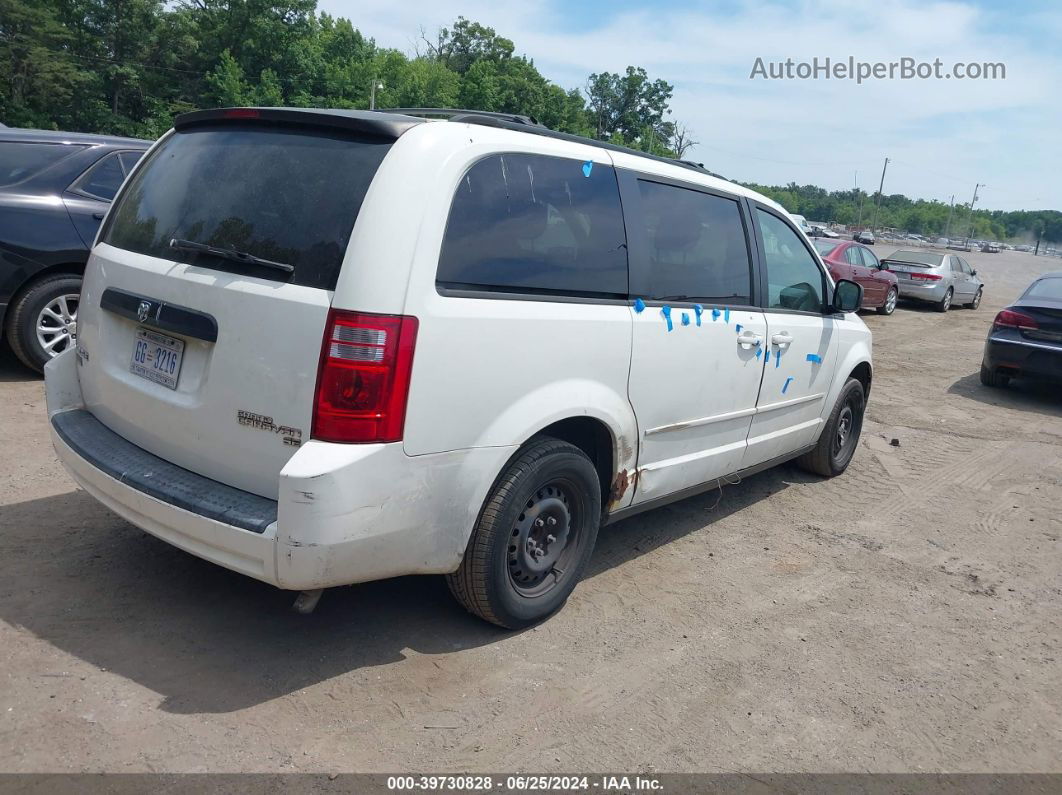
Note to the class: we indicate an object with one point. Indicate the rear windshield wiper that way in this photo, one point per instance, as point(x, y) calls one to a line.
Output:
point(230, 254)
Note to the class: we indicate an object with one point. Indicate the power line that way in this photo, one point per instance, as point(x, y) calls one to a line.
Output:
point(60, 51)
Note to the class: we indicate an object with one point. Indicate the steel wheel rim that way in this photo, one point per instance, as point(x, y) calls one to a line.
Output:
point(56, 324)
point(890, 301)
point(544, 540)
point(846, 423)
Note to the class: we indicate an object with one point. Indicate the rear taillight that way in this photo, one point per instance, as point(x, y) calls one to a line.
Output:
point(363, 379)
point(926, 277)
point(1008, 318)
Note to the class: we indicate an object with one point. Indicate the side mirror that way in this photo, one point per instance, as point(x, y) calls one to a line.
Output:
point(847, 296)
point(973, 273)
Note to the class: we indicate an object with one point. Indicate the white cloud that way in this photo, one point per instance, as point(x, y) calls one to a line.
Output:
point(944, 135)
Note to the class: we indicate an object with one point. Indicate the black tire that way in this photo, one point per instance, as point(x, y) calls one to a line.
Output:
point(834, 450)
point(993, 378)
point(944, 304)
point(25, 311)
point(891, 298)
point(515, 585)
point(977, 300)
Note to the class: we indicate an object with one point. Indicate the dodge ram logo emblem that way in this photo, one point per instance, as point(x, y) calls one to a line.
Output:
point(143, 311)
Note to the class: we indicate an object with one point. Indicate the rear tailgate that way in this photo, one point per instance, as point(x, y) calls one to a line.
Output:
point(203, 358)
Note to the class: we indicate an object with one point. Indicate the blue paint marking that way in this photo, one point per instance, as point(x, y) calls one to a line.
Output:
point(685, 318)
point(737, 328)
point(767, 356)
point(639, 305)
point(666, 312)
point(759, 352)
point(785, 386)
point(777, 358)
point(726, 315)
point(697, 310)
point(588, 166)
point(814, 357)
point(715, 314)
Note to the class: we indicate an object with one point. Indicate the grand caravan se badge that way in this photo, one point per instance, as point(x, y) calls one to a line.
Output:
point(290, 436)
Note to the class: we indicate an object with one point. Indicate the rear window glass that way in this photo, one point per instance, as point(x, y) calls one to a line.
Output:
point(824, 247)
point(1050, 287)
point(917, 258)
point(697, 246)
point(286, 195)
point(533, 223)
point(19, 161)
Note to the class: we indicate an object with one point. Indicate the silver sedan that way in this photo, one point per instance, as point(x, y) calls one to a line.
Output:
point(942, 279)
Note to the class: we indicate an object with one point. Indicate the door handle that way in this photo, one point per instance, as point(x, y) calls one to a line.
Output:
point(781, 339)
point(749, 339)
point(98, 216)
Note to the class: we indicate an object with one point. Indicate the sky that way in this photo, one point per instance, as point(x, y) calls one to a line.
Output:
point(942, 136)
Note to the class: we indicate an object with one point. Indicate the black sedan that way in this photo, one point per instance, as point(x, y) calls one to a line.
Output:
point(1026, 337)
point(54, 190)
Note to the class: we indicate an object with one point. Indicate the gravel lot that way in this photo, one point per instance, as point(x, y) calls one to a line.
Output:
point(903, 617)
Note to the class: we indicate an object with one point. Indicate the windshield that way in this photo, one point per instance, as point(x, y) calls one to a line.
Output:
point(1049, 287)
point(824, 247)
point(923, 258)
point(20, 160)
point(289, 196)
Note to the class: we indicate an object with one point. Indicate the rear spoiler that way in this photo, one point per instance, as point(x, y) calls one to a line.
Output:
point(372, 123)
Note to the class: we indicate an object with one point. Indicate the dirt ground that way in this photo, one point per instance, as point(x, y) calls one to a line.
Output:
point(903, 617)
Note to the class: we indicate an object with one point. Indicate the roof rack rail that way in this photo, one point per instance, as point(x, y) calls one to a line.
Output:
point(460, 115)
point(528, 124)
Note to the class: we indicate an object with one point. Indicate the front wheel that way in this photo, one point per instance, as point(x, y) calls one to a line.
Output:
point(890, 302)
point(944, 304)
point(976, 302)
point(838, 441)
point(533, 538)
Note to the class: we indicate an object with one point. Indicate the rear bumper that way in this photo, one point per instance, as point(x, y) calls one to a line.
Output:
point(923, 292)
point(1020, 357)
point(345, 513)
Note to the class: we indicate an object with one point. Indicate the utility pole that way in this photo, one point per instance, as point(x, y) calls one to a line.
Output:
point(951, 210)
point(881, 187)
point(973, 201)
point(859, 223)
point(372, 93)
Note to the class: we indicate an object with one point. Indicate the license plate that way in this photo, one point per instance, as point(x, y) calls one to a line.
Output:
point(157, 357)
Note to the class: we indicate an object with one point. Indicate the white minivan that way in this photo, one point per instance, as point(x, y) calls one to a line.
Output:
point(321, 347)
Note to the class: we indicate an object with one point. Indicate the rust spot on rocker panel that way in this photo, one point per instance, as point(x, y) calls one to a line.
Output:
point(623, 481)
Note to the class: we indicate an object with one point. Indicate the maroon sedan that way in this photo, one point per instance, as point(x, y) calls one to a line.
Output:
point(853, 261)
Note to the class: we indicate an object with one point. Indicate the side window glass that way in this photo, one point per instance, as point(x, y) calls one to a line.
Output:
point(794, 281)
point(102, 180)
point(129, 159)
point(965, 266)
point(851, 256)
point(536, 223)
point(955, 266)
point(869, 259)
point(696, 245)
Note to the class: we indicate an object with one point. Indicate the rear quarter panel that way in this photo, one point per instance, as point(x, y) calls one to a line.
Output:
point(487, 372)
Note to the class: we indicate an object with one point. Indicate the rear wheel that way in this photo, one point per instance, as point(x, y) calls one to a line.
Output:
point(993, 378)
point(840, 437)
point(976, 302)
point(889, 306)
point(944, 304)
point(533, 538)
point(42, 322)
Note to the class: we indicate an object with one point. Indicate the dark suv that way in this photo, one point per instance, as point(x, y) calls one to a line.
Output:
point(54, 190)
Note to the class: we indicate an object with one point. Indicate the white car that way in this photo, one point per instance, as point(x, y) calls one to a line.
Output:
point(321, 347)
